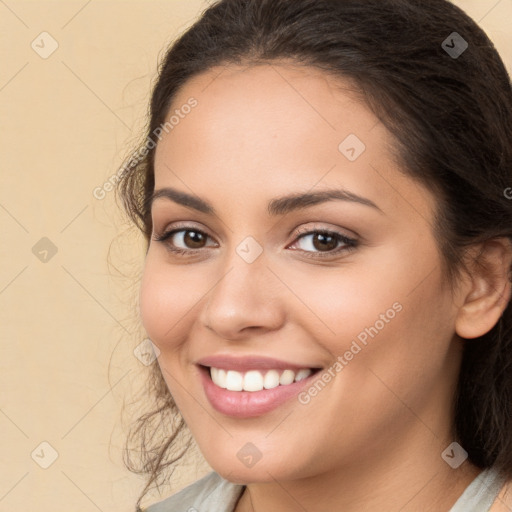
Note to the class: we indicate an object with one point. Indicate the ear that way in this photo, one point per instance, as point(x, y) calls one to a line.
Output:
point(487, 288)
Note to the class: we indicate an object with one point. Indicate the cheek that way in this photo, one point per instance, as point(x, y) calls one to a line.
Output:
point(336, 305)
point(167, 297)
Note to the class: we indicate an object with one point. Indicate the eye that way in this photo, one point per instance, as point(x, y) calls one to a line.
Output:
point(322, 243)
point(184, 240)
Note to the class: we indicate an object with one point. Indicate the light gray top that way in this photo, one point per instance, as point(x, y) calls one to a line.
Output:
point(481, 493)
point(214, 494)
point(209, 494)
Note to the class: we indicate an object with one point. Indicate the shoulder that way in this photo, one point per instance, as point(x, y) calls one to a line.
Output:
point(212, 490)
point(503, 502)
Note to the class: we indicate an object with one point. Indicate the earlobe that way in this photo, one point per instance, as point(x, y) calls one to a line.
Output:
point(489, 289)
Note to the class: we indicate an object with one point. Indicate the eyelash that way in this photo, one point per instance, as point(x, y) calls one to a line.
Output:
point(349, 243)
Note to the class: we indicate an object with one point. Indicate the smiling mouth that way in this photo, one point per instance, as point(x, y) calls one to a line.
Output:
point(255, 388)
point(257, 380)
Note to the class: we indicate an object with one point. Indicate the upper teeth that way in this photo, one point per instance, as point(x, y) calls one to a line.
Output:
point(255, 380)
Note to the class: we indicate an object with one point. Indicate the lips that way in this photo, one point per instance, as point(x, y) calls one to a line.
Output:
point(246, 387)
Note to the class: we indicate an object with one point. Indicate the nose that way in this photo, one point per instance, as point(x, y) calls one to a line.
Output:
point(247, 298)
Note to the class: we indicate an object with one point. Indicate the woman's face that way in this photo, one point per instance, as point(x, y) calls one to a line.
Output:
point(302, 246)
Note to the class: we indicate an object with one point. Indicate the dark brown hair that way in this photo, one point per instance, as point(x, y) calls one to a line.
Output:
point(451, 117)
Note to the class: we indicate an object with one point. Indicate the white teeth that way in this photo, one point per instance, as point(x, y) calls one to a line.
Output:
point(253, 381)
point(271, 379)
point(256, 380)
point(287, 377)
point(302, 374)
point(234, 381)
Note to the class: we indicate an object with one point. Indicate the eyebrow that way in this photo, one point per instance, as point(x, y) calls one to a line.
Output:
point(277, 206)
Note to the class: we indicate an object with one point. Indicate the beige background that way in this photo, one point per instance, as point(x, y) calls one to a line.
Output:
point(69, 324)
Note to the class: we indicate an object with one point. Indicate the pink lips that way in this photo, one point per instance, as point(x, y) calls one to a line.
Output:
point(248, 404)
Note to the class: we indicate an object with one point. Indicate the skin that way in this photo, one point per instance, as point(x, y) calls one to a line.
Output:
point(372, 438)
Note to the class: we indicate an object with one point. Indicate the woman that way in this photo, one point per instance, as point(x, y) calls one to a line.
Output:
point(327, 278)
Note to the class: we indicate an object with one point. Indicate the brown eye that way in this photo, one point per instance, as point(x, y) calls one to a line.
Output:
point(324, 242)
point(182, 240)
point(194, 239)
point(320, 243)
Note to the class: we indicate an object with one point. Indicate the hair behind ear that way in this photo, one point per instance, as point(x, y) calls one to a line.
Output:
point(484, 396)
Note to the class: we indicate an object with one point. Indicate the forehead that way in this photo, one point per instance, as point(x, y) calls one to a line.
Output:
point(276, 104)
point(269, 127)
